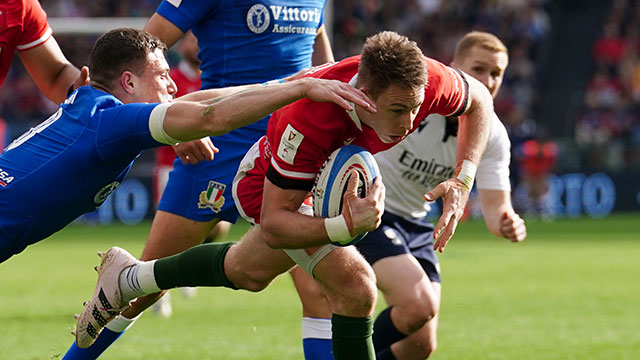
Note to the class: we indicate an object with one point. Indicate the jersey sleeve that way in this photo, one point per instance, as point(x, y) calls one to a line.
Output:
point(300, 143)
point(124, 130)
point(36, 30)
point(446, 92)
point(493, 170)
point(186, 13)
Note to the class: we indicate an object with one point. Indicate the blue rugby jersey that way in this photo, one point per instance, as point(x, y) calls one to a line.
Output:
point(68, 165)
point(248, 41)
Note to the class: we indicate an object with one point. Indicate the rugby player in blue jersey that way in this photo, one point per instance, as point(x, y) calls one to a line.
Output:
point(241, 42)
point(70, 163)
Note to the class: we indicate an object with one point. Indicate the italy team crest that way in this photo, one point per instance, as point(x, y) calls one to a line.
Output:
point(212, 197)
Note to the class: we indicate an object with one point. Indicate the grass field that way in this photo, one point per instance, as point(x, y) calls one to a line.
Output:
point(570, 291)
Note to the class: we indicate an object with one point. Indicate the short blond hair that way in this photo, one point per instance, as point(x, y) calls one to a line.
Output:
point(478, 38)
point(389, 58)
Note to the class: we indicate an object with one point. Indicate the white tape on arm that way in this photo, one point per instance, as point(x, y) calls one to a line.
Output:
point(337, 230)
point(467, 173)
point(156, 125)
point(274, 82)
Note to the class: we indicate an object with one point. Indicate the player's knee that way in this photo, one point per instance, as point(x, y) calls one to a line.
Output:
point(360, 294)
point(418, 312)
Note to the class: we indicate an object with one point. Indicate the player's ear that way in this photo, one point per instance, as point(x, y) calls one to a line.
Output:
point(127, 82)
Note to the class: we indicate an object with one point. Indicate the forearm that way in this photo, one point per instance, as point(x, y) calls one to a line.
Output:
point(215, 116)
point(285, 226)
point(210, 95)
point(292, 230)
point(495, 203)
point(474, 125)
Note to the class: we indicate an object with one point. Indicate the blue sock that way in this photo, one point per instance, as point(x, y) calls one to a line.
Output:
point(106, 338)
point(317, 349)
point(316, 338)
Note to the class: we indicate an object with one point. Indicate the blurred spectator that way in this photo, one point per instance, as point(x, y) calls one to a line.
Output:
point(537, 160)
point(608, 128)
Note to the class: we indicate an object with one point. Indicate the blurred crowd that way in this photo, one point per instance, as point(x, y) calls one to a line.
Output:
point(608, 125)
point(608, 128)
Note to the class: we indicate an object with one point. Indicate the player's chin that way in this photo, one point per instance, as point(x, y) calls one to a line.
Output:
point(395, 138)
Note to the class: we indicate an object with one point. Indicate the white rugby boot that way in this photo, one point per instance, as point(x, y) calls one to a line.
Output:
point(107, 301)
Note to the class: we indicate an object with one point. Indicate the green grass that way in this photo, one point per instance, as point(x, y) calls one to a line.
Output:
point(570, 291)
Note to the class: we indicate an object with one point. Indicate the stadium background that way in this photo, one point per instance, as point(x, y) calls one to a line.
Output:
point(570, 291)
point(573, 78)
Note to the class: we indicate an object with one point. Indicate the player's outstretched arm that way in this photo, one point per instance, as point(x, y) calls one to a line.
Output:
point(50, 70)
point(500, 217)
point(186, 121)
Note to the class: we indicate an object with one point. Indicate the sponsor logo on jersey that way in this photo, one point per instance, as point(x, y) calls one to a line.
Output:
point(259, 18)
point(212, 197)
point(103, 193)
point(5, 178)
point(289, 143)
point(427, 172)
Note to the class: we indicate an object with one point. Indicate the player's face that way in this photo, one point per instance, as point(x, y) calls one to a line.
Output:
point(155, 84)
point(485, 65)
point(397, 108)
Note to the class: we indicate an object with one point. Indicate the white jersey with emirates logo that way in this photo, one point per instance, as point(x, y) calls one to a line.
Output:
point(428, 156)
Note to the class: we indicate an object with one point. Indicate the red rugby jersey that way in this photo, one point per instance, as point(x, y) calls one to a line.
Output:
point(301, 135)
point(23, 26)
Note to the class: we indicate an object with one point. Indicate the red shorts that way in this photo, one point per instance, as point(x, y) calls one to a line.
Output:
point(248, 183)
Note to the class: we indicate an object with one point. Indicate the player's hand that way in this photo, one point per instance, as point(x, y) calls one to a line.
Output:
point(512, 227)
point(335, 91)
point(364, 214)
point(192, 152)
point(454, 195)
point(83, 79)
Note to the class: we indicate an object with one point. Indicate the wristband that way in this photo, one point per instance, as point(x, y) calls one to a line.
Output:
point(467, 173)
point(273, 82)
point(338, 230)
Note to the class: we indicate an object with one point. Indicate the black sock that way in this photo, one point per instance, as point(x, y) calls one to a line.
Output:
point(384, 332)
point(385, 354)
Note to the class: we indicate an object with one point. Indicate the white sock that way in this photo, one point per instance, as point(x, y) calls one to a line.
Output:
point(316, 328)
point(138, 280)
point(121, 323)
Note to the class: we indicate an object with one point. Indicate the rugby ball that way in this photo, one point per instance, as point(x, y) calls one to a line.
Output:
point(332, 179)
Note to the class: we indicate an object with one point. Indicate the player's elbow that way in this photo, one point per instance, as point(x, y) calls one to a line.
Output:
point(270, 234)
point(273, 241)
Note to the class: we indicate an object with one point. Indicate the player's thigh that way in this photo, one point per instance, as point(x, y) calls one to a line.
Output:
point(171, 234)
point(252, 264)
point(404, 282)
point(348, 281)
